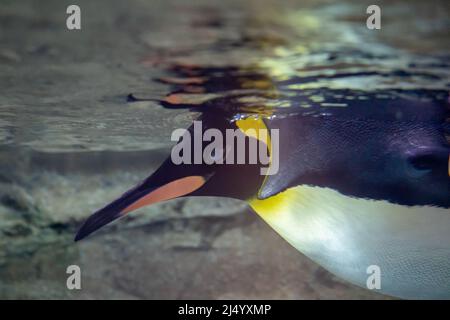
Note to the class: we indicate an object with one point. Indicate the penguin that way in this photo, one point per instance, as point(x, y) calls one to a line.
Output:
point(357, 187)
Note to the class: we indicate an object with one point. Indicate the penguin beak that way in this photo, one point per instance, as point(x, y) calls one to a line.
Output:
point(138, 197)
point(172, 190)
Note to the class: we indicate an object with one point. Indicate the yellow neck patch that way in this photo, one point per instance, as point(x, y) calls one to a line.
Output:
point(274, 205)
point(256, 128)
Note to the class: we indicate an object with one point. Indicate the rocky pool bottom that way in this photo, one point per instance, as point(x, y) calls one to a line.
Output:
point(183, 249)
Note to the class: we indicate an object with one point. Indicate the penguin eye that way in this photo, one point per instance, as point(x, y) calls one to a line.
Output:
point(217, 154)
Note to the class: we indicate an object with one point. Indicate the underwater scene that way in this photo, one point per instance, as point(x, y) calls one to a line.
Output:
point(212, 149)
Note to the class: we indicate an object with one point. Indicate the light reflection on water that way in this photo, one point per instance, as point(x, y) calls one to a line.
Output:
point(264, 57)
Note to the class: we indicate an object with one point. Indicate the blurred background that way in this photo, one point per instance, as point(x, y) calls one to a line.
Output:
point(81, 122)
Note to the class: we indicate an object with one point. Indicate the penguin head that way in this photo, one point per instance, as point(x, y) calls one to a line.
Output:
point(195, 168)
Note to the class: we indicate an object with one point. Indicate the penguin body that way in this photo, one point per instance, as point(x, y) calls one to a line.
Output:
point(346, 235)
point(361, 186)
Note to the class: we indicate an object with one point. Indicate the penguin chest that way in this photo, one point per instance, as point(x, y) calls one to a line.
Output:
point(347, 236)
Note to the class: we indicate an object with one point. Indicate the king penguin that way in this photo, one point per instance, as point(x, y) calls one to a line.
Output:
point(361, 186)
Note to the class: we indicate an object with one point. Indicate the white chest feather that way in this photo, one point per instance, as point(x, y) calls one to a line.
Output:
point(411, 245)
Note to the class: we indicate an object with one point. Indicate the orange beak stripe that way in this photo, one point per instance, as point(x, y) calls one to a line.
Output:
point(169, 191)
